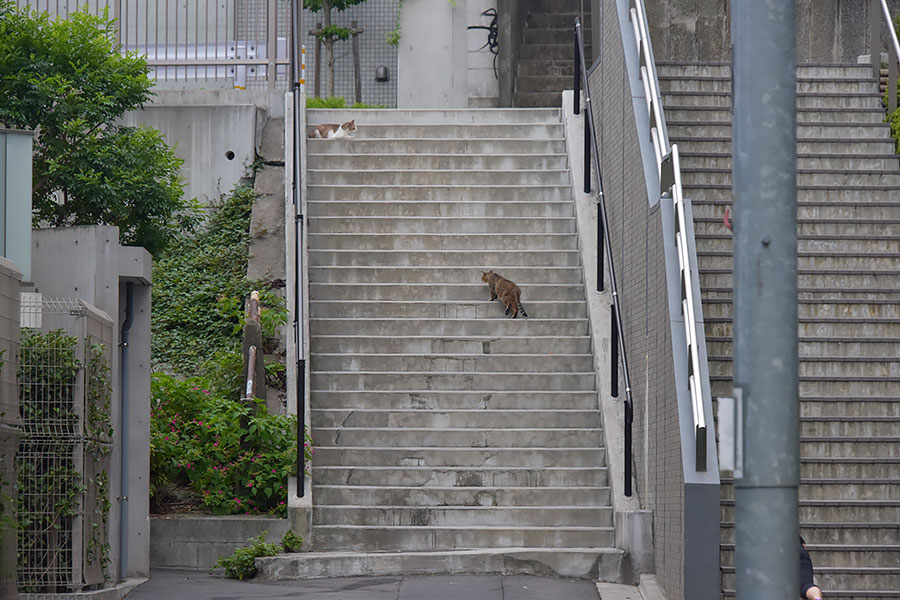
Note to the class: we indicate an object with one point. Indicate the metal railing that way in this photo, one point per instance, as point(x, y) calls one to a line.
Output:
point(603, 242)
point(669, 171)
point(878, 15)
point(243, 43)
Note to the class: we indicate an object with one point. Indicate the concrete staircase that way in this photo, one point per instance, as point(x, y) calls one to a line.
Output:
point(445, 432)
point(547, 55)
point(849, 280)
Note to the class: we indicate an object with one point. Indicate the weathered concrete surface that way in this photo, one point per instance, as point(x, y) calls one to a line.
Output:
point(197, 541)
point(200, 586)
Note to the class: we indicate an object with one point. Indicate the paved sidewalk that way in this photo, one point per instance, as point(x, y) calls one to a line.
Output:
point(198, 585)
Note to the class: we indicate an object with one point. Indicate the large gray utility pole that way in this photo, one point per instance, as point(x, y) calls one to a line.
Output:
point(764, 151)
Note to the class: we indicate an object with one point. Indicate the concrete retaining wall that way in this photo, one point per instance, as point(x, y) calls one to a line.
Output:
point(196, 542)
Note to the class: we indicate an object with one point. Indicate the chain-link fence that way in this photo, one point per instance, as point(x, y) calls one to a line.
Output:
point(63, 461)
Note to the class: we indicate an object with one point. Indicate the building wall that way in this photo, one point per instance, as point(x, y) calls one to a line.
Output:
point(10, 424)
point(827, 30)
point(636, 237)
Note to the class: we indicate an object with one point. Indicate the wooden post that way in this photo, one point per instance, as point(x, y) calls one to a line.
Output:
point(254, 365)
point(357, 80)
point(317, 83)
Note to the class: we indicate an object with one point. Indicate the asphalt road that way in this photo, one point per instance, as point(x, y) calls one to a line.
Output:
point(194, 585)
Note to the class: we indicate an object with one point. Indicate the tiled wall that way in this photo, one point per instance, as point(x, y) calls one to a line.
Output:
point(636, 236)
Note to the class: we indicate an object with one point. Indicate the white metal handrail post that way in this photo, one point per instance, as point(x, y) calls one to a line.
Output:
point(669, 171)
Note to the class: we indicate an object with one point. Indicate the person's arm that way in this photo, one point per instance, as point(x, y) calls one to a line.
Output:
point(808, 589)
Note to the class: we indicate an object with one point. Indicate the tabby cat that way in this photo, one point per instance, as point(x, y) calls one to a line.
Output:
point(508, 292)
point(333, 130)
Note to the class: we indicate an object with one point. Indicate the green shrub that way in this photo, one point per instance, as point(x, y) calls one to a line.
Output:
point(291, 542)
point(241, 565)
point(337, 102)
point(196, 441)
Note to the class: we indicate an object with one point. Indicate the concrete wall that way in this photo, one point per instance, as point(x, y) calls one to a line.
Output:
point(827, 30)
point(10, 424)
point(216, 142)
point(88, 263)
point(484, 87)
point(196, 542)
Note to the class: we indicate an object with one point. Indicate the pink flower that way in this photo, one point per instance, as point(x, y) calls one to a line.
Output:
point(215, 444)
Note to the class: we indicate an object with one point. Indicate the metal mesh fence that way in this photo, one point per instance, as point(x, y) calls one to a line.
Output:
point(377, 18)
point(63, 457)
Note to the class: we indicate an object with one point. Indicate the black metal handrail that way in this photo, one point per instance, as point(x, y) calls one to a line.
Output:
point(591, 154)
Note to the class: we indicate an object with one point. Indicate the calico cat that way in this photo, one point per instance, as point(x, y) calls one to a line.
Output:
point(508, 292)
point(333, 130)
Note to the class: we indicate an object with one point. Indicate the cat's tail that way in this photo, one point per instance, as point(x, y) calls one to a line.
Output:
point(519, 303)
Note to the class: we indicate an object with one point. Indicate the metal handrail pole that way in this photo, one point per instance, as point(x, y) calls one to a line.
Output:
point(576, 98)
point(629, 404)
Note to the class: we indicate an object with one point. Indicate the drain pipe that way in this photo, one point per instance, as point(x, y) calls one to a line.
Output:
point(123, 493)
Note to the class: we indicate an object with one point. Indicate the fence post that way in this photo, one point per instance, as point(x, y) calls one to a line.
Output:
point(271, 42)
point(354, 42)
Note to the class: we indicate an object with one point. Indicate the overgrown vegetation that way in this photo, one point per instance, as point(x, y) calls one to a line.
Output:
point(241, 564)
point(195, 444)
point(66, 80)
point(894, 119)
point(198, 290)
point(337, 102)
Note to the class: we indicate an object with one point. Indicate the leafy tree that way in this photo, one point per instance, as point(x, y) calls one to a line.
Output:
point(329, 33)
point(68, 81)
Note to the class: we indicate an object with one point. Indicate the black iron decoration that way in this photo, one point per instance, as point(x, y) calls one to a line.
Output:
point(493, 30)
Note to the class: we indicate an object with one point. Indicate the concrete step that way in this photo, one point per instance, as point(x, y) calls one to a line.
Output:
point(692, 176)
point(564, 20)
point(827, 328)
point(460, 496)
point(534, 458)
point(834, 347)
point(410, 258)
point(552, 67)
point(445, 193)
point(830, 308)
point(849, 131)
point(804, 71)
point(505, 162)
point(601, 563)
point(844, 426)
point(811, 212)
point(437, 208)
point(443, 275)
point(454, 363)
point(445, 130)
point(444, 291)
point(499, 326)
point(429, 380)
point(723, 114)
point(835, 511)
point(467, 437)
point(815, 278)
point(485, 345)
point(455, 419)
point(544, 33)
point(839, 229)
point(428, 116)
point(849, 468)
point(851, 534)
point(410, 145)
point(547, 52)
point(806, 85)
point(538, 99)
point(887, 406)
point(544, 82)
point(456, 399)
point(842, 578)
point(807, 145)
point(866, 100)
point(443, 225)
point(861, 447)
point(837, 160)
point(437, 177)
point(395, 309)
point(464, 516)
point(812, 261)
point(338, 537)
point(464, 476)
point(534, 240)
